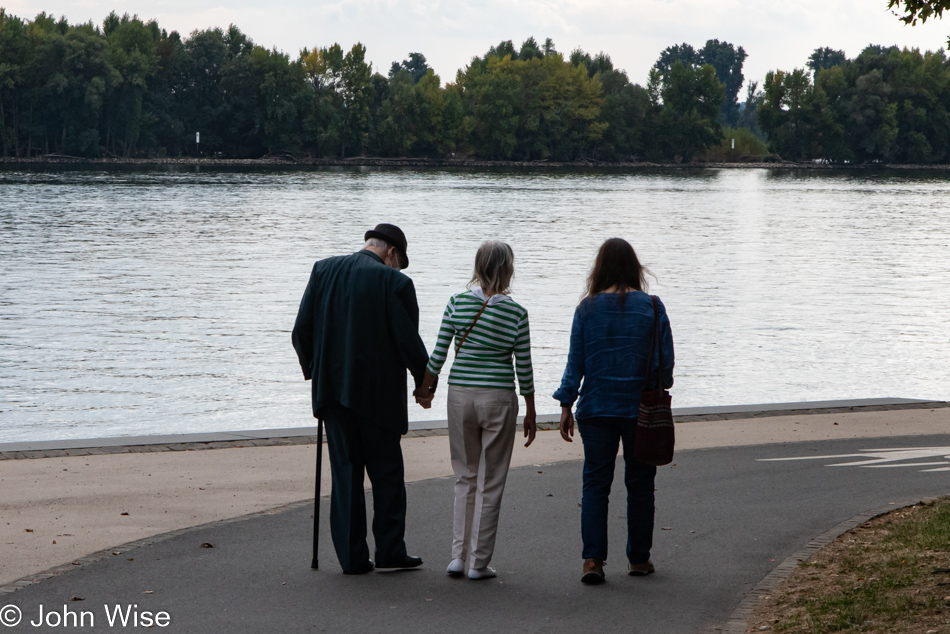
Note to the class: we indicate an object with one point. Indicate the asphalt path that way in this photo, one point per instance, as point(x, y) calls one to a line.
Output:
point(725, 519)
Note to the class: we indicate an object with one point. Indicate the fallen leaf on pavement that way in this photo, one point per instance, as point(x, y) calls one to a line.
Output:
point(667, 528)
point(77, 599)
point(149, 592)
point(207, 545)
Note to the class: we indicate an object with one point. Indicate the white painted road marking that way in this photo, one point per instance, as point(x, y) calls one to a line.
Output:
point(885, 458)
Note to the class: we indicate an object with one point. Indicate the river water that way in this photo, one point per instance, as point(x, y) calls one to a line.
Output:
point(161, 301)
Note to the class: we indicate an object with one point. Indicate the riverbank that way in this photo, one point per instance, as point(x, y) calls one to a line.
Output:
point(57, 510)
point(453, 163)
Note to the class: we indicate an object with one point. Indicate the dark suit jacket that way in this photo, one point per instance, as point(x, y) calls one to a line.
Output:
point(357, 332)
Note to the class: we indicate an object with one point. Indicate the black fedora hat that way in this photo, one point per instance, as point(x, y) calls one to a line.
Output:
point(394, 236)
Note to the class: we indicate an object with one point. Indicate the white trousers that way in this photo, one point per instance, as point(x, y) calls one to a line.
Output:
point(482, 424)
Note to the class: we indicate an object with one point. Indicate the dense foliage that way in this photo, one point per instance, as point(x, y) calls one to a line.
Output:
point(725, 58)
point(919, 9)
point(129, 88)
point(887, 104)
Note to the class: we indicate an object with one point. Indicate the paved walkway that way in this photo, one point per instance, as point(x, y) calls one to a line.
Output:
point(725, 519)
point(74, 505)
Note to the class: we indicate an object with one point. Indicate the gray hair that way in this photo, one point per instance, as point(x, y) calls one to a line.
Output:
point(494, 268)
point(376, 242)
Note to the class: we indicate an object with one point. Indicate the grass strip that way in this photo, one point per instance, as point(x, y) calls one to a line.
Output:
point(891, 574)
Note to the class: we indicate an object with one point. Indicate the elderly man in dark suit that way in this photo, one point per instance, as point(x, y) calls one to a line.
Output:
point(356, 334)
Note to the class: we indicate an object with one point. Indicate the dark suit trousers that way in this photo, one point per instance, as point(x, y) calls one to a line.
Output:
point(357, 446)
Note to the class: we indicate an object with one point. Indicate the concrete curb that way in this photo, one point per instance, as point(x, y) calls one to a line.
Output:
point(307, 435)
point(738, 622)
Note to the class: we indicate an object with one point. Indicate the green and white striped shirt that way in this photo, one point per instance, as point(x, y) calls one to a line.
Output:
point(485, 359)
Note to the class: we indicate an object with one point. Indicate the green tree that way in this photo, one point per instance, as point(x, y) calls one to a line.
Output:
point(683, 53)
point(534, 108)
point(206, 66)
point(356, 88)
point(624, 111)
point(728, 61)
point(132, 50)
point(72, 76)
point(323, 108)
point(416, 65)
point(785, 113)
point(688, 121)
point(14, 56)
point(921, 85)
point(825, 57)
point(490, 94)
point(921, 10)
point(725, 58)
point(802, 119)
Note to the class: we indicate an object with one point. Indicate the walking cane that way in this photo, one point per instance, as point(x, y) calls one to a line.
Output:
point(315, 564)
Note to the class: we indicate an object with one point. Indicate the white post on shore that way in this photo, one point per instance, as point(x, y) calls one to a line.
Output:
point(198, 143)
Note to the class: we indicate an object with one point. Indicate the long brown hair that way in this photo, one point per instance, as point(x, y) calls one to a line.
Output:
point(616, 265)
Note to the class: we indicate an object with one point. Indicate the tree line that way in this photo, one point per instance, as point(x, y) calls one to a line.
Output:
point(128, 88)
point(885, 105)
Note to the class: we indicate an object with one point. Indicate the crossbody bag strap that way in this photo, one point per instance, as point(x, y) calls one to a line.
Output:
point(475, 321)
point(654, 343)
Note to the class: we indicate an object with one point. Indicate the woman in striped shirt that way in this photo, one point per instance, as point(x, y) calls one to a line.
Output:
point(489, 329)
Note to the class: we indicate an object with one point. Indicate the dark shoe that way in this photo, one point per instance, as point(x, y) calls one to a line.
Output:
point(593, 572)
point(362, 568)
point(407, 561)
point(641, 570)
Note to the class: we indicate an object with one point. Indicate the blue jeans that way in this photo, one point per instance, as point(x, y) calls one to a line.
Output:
point(601, 438)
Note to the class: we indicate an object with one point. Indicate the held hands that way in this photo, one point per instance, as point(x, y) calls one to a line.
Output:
point(426, 400)
point(567, 424)
point(426, 390)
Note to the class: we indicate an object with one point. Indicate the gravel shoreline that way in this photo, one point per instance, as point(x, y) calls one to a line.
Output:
point(303, 161)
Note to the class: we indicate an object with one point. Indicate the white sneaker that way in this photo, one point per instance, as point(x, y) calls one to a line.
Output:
point(456, 568)
point(482, 573)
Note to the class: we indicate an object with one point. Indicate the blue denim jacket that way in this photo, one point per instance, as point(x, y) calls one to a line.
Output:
point(610, 341)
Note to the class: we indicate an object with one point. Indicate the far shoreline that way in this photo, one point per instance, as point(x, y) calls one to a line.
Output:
point(286, 160)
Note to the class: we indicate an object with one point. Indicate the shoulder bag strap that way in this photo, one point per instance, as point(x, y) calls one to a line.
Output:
point(475, 321)
point(654, 343)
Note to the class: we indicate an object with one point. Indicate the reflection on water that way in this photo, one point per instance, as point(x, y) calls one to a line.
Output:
point(161, 302)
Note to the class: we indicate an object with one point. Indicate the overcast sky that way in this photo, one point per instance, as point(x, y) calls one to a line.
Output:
point(775, 33)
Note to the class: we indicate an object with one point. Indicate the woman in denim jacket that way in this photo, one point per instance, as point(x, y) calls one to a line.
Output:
point(610, 341)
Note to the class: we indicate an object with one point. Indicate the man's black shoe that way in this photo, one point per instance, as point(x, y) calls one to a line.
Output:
point(407, 561)
point(362, 568)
